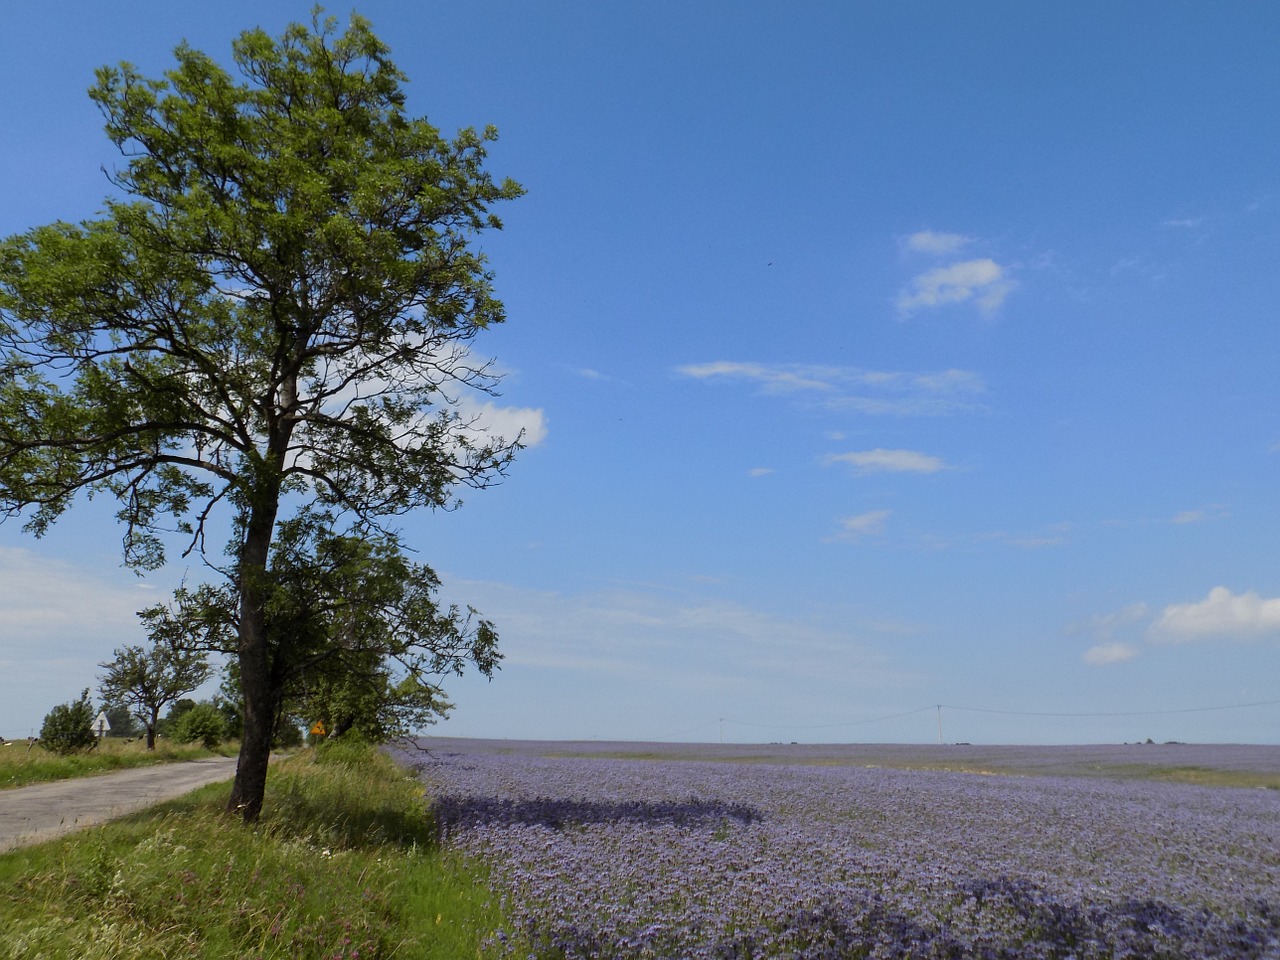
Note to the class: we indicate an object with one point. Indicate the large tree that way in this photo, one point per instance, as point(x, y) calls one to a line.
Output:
point(270, 318)
point(147, 681)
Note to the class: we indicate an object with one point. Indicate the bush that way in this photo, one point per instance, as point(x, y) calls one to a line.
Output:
point(203, 723)
point(69, 727)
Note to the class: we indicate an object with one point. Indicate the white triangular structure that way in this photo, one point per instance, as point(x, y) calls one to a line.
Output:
point(101, 725)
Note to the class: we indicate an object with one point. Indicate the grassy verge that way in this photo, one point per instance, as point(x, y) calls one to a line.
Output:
point(20, 765)
point(343, 866)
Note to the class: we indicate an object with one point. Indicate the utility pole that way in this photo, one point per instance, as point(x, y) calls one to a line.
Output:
point(939, 723)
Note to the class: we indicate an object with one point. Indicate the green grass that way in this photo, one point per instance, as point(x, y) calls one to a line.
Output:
point(21, 765)
point(342, 866)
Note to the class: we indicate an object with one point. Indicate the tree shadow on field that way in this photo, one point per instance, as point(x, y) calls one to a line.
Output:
point(460, 812)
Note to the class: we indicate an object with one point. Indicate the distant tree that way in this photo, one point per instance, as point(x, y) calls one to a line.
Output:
point(148, 680)
point(68, 727)
point(123, 723)
point(203, 724)
point(274, 316)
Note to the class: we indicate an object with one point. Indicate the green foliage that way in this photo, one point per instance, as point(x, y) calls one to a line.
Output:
point(288, 735)
point(68, 727)
point(274, 312)
point(203, 724)
point(343, 863)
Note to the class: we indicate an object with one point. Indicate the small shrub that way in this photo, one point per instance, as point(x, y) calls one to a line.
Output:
point(69, 727)
point(203, 723)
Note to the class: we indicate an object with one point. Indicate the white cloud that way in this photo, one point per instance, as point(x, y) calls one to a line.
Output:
point(1109, 653)
point(759, 471)
point(930, 241)
point(1222, 615)
point(851, 389)
point(982, 281)
point(887, 461)
point(1187, 222)
point(775, 378)
point(492, 421)
point(863, 525)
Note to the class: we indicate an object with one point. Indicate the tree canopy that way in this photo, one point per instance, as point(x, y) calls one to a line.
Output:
point(270, 320)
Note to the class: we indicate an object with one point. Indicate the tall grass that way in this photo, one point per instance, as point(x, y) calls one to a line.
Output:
point(342, 866)
point(21, 764)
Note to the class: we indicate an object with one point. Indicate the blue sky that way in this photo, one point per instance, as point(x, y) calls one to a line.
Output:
point(874, 356)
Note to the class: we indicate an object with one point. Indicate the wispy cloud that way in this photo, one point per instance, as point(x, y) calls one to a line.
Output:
point(1222, 615)
point(1108, 653)
point(851, 389)
point(1104, 625)
point(1050, 536)
point(931, 241)
point(1107, 649)
point(1184, 223)
point(984, 282)
point(759, 471)
point(887, 461)
point(773, 378)
point(634, 631)
point(1213, 512)
point(863, 525)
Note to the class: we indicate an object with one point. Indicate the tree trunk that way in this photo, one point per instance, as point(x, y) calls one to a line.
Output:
point(250, 785)
point(151, 735)
point(257, 680)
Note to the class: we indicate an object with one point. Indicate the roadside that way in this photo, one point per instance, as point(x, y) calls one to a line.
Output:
point(47, 810)
point(25, 763)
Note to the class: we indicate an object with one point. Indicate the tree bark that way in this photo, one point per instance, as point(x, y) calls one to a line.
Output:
point(261, 693)
point(249, 788)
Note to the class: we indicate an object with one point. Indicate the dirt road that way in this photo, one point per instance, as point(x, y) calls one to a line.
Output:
point(47, 810)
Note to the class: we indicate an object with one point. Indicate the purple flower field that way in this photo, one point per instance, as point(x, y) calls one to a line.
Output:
point(657, 858)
